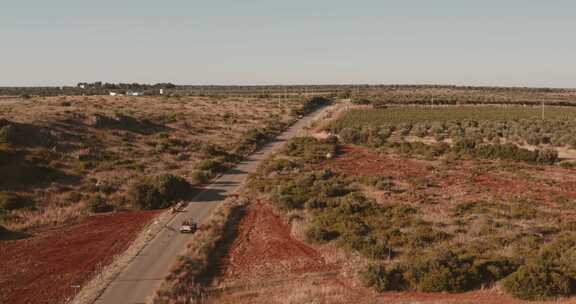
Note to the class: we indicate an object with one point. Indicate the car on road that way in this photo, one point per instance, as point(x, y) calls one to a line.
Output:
point(188, 226)
point(179, 207)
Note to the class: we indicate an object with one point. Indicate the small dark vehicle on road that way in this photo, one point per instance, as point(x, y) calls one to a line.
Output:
point(178, 207)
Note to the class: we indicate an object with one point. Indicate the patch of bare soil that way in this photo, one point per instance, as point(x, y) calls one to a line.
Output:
point(45, 268)
point(265, 249)
point(460, 181)
point(358, 161)
point(267, 264)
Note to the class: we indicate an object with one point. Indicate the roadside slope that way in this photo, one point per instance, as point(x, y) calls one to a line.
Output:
point(136, 282)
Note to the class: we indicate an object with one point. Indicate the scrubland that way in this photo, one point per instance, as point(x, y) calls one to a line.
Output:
point(411, 204)
point(62, 157)
point(78, 174)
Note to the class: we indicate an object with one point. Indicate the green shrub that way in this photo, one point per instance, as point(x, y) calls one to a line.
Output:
point(352, 136)
point(8, 134)
point(567, 263)
point(296, 191)
point(495, 269)
point(381, 279)
point(441, 271)
point(18, 170)
point(4, 231)
point(372, 248)
point(158, 192)
point(533, 140)
point(73, 197)
point(538, 281)
point(425, 236)
point(308, 149)
point(509, 151)
point(380, 183)
point(319, 235)
point(315, 203)
point(466, 208)
point(291, 196)
point(279, 164)
point(547, 156)
point(211, 165)
point(361, 101)
point(568, 165)
point(311, 105)
point(199, 177)
point(211, 150)
point(98, 204)
point(561, 252)
point(12, 201)
point(254, 136)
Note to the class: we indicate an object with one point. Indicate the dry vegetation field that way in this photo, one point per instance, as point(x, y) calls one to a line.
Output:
point(443, 205)
point(427, 95)
point(63, 160)
point(94, 146)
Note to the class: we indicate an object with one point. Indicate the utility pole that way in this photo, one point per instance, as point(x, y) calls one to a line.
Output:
point(542, 110)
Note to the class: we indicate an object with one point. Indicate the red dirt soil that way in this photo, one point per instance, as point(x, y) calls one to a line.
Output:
point(43, 268)
point(265, 255)
point(264, 248)
point(463, 180)
point(266, 264)
point(357, 161)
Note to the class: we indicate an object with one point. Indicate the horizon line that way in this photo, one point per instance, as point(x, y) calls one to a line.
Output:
point(306, 84)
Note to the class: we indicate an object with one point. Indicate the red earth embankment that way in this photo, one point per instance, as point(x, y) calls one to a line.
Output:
point(45, 267)
point(265, 248)
point(268, 264)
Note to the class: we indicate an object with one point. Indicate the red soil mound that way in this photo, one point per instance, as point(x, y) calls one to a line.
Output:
point(264, 248)
point(43, 268)
point(262, 258)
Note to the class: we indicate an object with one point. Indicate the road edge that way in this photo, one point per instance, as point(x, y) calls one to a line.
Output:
point(96, 286)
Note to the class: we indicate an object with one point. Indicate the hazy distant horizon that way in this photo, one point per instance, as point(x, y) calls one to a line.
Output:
point(302, 84)
point(511, 43)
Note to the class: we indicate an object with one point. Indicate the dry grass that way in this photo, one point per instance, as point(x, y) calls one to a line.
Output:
point(29, 219)
point(194, 269)
point(321, 288)
point(106, 159)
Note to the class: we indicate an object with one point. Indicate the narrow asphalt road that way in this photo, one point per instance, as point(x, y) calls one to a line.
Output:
point(137, 282)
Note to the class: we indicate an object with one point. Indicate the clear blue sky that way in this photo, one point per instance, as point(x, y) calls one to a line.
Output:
point(489, 42)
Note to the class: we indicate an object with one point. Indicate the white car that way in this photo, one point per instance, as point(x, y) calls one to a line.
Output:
point(188, 226)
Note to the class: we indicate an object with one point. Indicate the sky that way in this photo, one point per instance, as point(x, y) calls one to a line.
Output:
point(233, 42)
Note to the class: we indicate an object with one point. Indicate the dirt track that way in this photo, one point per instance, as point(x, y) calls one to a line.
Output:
point(43, 268)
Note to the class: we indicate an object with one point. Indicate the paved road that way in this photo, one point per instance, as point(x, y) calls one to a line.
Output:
point(137, 282)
